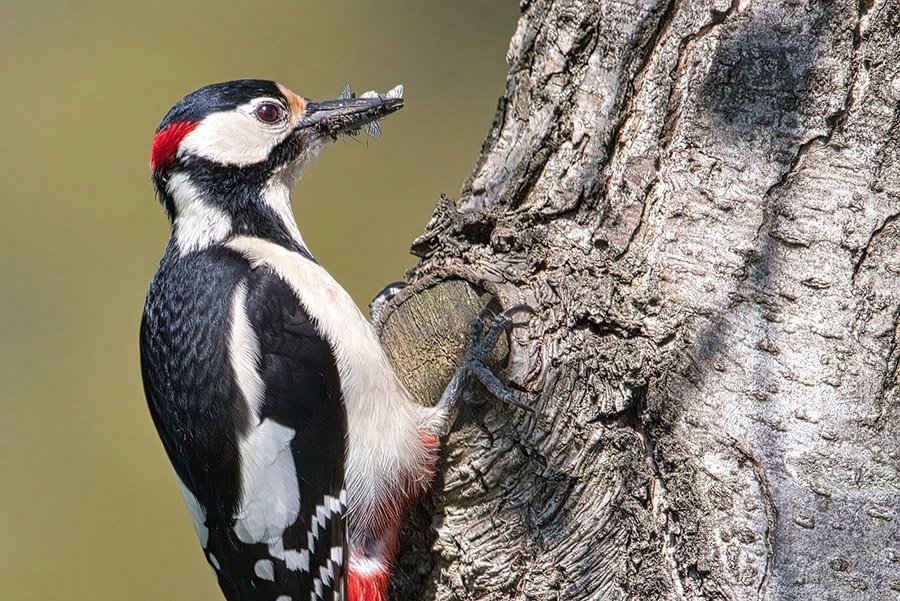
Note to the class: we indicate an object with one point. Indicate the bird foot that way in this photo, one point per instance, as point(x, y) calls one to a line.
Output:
point(484, 334)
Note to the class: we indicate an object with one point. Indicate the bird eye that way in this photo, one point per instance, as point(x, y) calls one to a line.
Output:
point(269, 112)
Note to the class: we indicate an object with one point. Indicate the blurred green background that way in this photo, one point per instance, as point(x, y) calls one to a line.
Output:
point(88, 505)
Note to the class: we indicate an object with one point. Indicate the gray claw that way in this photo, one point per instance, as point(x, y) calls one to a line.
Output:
point(520, 308)
point(484, 333)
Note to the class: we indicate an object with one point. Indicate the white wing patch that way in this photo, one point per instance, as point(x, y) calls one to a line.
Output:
point(324, 513)
point(270, 500)
point(337, 555)
point(264, 569)
point(297, 561)
point(270, 497)
point(197, 511)
point(243, 351)
point(319, 592)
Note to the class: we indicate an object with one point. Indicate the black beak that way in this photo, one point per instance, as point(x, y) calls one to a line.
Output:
point(347, 115)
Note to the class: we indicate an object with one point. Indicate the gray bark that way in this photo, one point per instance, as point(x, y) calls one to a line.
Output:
point(701, 201)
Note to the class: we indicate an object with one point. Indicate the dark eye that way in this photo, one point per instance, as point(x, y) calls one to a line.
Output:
point(269, 112)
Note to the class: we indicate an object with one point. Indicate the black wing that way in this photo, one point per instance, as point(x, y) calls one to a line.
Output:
point(303, 392)
point(282, 464)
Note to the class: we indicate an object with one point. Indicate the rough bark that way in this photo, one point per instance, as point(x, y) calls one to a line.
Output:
point(701, 201)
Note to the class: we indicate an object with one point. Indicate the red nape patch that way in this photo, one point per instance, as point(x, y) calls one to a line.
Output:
point(371, 587)
point(166, 142)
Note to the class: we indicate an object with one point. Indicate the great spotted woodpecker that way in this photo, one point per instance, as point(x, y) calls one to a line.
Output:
point(296, 447)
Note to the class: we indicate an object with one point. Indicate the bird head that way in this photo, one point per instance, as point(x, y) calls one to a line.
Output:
point(225, 145)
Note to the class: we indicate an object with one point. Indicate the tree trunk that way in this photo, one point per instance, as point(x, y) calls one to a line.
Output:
point(700, 200)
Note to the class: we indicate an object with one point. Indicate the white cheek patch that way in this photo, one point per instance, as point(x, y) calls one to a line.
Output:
point(233, 138)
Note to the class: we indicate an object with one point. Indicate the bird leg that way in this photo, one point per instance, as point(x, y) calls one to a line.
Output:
point(484, 333)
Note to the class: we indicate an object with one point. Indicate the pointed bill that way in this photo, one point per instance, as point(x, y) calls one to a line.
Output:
point(349, 114)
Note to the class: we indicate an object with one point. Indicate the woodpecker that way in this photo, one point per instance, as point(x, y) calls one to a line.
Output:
point(296, 447)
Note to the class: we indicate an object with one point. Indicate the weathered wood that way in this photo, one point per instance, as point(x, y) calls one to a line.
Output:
point(701, 200)
point(425, 333)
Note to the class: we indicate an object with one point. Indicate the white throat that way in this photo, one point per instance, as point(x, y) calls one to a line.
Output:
point(277, 196)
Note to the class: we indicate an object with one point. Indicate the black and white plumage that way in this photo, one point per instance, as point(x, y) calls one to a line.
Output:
point(252, 417)
point(243, 385)
point(297, 448)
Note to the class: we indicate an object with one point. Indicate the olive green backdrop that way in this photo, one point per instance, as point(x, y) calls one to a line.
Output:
point(88, 505)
